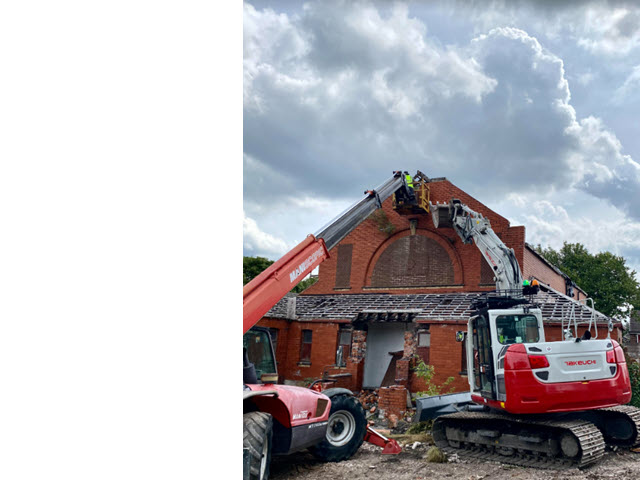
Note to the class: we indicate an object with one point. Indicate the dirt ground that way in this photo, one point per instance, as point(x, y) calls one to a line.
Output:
point(367, 463)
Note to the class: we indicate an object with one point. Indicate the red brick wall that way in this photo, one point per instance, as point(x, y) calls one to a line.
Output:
point(369, 243)
point(446, 356)
point(392, 400)
point(553, 333)
point(323, 350)
point(534, 267)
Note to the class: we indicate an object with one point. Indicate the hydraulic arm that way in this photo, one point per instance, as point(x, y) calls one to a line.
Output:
point(472, 226)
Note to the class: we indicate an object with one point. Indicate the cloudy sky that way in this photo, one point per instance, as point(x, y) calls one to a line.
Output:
point(530, 106)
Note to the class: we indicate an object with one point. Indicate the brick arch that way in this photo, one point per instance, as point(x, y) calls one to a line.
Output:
point(434, 263)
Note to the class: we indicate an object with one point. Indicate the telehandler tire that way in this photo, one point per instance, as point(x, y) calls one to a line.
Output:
point(258, 433)
point(345, 430)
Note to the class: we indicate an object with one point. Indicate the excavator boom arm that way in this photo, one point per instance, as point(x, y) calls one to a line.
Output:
point(473, 227)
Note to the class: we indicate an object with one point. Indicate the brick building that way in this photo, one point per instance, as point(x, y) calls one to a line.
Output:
point(396, 288)
point(633, 341)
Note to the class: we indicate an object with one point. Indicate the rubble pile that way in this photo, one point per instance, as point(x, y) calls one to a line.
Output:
point(378, 417)
point(369, 400)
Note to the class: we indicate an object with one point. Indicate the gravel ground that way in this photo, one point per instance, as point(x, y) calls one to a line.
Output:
point(367, 463)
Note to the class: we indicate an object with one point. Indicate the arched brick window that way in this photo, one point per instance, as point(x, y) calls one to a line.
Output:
point(413, 261)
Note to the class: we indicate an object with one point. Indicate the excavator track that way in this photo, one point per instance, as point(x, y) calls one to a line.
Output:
point(550, 444)
point(619, 425)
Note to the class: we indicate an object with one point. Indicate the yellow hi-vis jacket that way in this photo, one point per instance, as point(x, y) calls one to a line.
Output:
point(409, 181)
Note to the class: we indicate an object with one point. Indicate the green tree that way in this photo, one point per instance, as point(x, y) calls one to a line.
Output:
point(604, 276)
point(253, 266)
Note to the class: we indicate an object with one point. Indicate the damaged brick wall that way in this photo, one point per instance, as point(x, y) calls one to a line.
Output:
point(354, 363)
point(358, 346)
point(392, 400)
point(403, 365)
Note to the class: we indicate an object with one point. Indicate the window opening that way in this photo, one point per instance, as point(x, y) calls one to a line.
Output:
point(305, 346)
point(344, 346)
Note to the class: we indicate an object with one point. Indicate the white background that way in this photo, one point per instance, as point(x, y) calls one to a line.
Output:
point(120, 240)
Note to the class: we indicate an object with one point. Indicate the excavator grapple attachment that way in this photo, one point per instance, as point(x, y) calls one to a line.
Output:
point(441, 215)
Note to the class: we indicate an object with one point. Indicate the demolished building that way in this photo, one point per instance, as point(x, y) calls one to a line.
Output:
point(396, 289)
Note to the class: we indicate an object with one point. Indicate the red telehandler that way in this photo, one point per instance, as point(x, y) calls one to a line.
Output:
point(535, 403)
point(282, 419)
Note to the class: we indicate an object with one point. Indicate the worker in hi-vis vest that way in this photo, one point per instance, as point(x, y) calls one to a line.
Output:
point(409, 180)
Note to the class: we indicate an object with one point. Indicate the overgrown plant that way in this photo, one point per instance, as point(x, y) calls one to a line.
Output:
point(426, 373)
point(382, 222)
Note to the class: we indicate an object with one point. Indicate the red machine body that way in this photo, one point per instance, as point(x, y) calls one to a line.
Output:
point(526, 394)
point(292, 406)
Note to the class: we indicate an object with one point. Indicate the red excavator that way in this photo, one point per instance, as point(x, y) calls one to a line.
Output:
point(282, 419)
point(535, 403)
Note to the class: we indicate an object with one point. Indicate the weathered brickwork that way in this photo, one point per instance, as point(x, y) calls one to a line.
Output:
point(431, 265)
point(392, 400)
point(370, 243)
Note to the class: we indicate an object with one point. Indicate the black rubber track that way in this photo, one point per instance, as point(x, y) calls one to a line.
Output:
point(588, 436)
point(627, 413)
point(258, 429)
point(330, 453)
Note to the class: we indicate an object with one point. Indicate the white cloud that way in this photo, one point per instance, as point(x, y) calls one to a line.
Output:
point(585, 78)
point(610, 233)
point(603, 170)
point(610, 28)
point(629, 89)
point(357, 83)
point(608, 31)
point(258, 243)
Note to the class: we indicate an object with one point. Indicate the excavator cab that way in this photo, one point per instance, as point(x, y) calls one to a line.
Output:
point(493, 331)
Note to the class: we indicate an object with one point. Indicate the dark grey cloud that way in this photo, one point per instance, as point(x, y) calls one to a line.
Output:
point(354, 108)
point(339, 94)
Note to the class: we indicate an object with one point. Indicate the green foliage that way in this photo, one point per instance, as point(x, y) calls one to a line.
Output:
point(604, 276)
point(420, 427)
point(435, 455)
point(426, 373)
point(634, 374)
point(253, 266)
point(382, 221)
point(304, 284)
